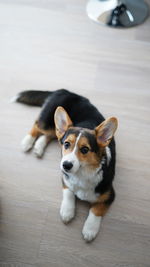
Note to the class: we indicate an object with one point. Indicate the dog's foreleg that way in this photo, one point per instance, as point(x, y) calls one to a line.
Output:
point(67, 210)
point(93, 221)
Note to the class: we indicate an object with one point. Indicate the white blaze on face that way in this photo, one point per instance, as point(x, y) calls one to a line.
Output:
point(72, 158)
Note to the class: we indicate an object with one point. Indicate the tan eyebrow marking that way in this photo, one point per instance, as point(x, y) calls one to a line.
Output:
point(84, 142)
point(71, 138)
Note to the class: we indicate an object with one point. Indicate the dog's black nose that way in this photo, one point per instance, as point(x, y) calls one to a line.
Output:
point(67, 165)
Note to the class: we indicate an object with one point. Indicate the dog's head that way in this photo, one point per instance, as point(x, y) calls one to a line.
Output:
point(81, 147)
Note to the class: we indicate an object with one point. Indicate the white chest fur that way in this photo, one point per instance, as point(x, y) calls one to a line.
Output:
point(83, 184)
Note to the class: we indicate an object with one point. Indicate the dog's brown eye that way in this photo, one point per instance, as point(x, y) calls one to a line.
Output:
point(66, 145)
point(84, 150)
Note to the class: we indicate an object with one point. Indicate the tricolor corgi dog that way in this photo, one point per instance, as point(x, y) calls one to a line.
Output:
point(88, 151)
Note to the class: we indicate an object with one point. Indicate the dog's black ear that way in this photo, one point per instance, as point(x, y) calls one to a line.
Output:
point(105, 131)
point(62, 122)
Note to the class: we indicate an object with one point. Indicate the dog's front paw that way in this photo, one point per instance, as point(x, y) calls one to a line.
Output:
point(89, 234)
point(91, 227)
point(27, 142)
point(67, 211)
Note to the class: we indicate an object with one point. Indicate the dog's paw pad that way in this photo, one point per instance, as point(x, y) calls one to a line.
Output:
point(27, 143)
point(67, 213)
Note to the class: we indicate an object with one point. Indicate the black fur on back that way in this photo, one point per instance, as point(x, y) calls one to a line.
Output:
point(81, 111)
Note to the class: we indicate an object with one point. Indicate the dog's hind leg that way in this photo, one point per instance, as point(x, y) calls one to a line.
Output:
point(42, 143)
point(43, 137)
point(29, 139)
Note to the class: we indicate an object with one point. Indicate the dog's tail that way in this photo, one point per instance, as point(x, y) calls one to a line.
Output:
point(32, 97)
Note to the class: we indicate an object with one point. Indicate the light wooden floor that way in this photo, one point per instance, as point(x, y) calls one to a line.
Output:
point(52, 44)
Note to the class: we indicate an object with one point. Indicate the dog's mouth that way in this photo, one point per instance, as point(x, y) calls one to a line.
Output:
point(66, 174)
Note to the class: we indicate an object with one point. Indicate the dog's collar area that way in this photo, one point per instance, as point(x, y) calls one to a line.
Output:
point(101, 165)
point(99, 169)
